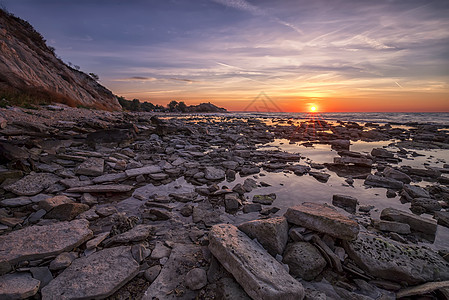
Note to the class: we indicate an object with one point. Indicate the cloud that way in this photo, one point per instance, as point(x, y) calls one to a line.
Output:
point(136, 78)
point(183, 80)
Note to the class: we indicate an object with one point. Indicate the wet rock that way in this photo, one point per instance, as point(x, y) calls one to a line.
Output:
point(377, 181)
point(230, 175)
point(260, 275)
point(322, 218)
point(391, 193)
point(151, 169)
point(391, 260)
point(212, 173)
point(249, 170)
point(264, 199)
point(299, 169)
point(396, 174)
point(94, 277)
point(63, 260)
point(321, 177)
point(348, 203)
point(271, 233)
point(304, 260)
point(152, 273)
point(196, 279)
point(442, 218)
point(415, 191)
point(358, 161)
point(417, 224)
point(106, 188)
point(340, 144)
point(42, 241)
point(232, 203)
point(422, 205)
point(421, 172)
point(381, 152)
point(170, 284)
point(93, 166)
point(32, 184)
point(18, 286)
point(249, 184)
point(184, 197)
point(389, 226)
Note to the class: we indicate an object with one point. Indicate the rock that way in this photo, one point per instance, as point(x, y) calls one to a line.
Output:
point(271, 233)
point(186, 210)
point(106, 188)
point(36, 216)
point(137, 234)
point(196, 279)
point(252, 207)
point(184, 197)
point(348, 203)
point(32, 184)
point(260, 275)
point(140, 252)
point(391, 193)
point(321, 177)
point(442, 218)
point(16, 202)
point(94, 277)
point(422, 205)
point(89, 199)
point(391, 260)
point(249, 184)
point(158, 176)
point(229, 289)
point(212, 173)
point(143, 171)
point(396, 174)
point(232, 203)
point(3, 123)
point(93, 166)
point(377, 181)
point(443, 179)
point(264, 199)
point(93, 243)
point(248, 170)
point(50, 203)
point(115, 177)
point(170, 284)
point(417, 224)
point(152, 273)
point(381, 152)
point(160, 251)
point(358, 161)
point(397, 227)
point(322, 218)
point(340, 144)
point(42, 274)
point(106, 211)
point(67, 211)
point(42, 241)
point(10, 221)
point(422, 289)
point(304, 260)
point(18, 286)
point(63, 260)
point(230, 164)
point(415, 191)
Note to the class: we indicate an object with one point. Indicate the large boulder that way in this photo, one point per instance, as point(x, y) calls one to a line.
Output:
point(323, 218)
point(94, 277)
point(271, 233)
point(304, 260)
point(260, 275)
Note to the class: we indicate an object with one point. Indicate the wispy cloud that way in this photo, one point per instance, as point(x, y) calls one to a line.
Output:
point(136, 78)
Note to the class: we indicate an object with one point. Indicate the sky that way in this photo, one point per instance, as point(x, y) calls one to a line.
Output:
point(336, 55)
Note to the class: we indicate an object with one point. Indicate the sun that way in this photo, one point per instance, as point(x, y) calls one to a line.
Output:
point(313, 108)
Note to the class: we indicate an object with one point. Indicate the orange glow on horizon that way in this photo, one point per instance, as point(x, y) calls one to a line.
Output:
point(313, 108)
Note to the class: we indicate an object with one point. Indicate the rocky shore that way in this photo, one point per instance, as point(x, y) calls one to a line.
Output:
point(117, 205)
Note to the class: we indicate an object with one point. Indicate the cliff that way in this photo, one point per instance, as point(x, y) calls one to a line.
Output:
point(29, 68)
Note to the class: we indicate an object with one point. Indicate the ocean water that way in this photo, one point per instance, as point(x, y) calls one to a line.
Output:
point(440, 118)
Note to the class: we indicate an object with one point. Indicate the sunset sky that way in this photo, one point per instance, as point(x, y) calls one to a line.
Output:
point(335, 55)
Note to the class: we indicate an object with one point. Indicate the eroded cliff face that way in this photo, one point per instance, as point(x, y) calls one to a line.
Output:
point(28, 66)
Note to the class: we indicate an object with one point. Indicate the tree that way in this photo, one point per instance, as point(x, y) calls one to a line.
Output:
point(135, 105)
point(182, 107)
point(172, 105)
point(94, 76)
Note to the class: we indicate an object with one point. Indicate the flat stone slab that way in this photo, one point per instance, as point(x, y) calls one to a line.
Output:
point(18, 286)
point(183, 258)
point(92, 166)
point(32, 184)
point(114, 177)
point(106, 188)
point(138, 233)
point(143, 171)
point(422, 289)
point(260, 275)
point(324, 219)
point(385, 182)
point(387, 259)
point(36, 242)
point(94, 277)
point(417, 223)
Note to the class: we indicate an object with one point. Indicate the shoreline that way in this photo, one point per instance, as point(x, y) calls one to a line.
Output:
point(159, 182)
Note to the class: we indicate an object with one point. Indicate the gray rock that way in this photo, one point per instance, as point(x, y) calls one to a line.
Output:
point(63, 260)
point(18, 286)
point(42, 274)
point(415, 191)
point(42, 241)
point(322, 218)
point(321, 177)
point(67, 211)
point(152, 273)
point(249, 184)
point(36, 216)
point(89, 199)
point(106, 188)
point(304, 260)
point(422, 289)
point(50, 203)
point(442, 218)
point(32, 184)
point(94, 277)
point(252, 207)
point(16, 202)
point(137, 234)
point(348, 203)
point(391, 260)
point(260, 275)
point(93, 243)
point(381, 152)
point(229, 289)
point(396, 174)
point(140, 252)
point(391, 193)
point(196, 279)
point(160, 251)
point(272, 233)
point(212, 173)
point(389, 226)
point(232, 203)
point(377, 181)
point(151, 169)
point(422, 205)
point(173, 274)
point(115, 177)
point(184, 197)
point(417, 224)
point(264, 199)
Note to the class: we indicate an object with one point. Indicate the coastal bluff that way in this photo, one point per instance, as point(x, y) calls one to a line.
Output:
point(30, 68)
